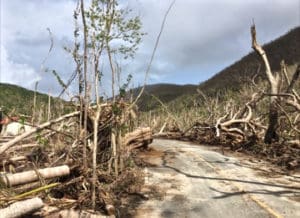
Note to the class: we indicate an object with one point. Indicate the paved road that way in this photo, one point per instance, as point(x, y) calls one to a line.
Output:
point(195, 181)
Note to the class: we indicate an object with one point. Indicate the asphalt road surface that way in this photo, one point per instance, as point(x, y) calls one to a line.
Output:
point(189, 180)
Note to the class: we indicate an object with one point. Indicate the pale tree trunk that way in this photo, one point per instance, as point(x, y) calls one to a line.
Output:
point(32, 175)
point(95, 146)
point(96, 54)
point(110, 13)
point(34, 104)
point(121, 150)
point(49, 107)
point(114, 150)
point(85, 100)
point(1, 117)
point(22, 208)
point(271, 134)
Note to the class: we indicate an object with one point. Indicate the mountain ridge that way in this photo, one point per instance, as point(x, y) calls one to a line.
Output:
point(285, 47)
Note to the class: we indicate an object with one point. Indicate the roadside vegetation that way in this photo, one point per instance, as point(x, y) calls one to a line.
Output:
point(253, 109)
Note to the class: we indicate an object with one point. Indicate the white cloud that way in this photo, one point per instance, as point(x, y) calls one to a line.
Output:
point(200, 37)
point(17, 73)
point(26, 41)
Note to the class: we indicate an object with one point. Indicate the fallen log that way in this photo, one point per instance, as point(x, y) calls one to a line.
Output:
point(18, 158)
point(23, 146)
point(10, 180)
point(138, 138)
point(22, 208)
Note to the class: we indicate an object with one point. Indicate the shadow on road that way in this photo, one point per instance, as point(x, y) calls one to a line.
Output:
point(230, 180)
point(259, 191)
point(165, 165)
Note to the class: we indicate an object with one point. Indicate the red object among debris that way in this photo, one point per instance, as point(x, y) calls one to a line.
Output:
point(7, 120)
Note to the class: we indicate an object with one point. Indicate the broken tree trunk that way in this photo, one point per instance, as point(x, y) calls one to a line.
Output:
point(138, 138)
point(21, 208)
point(271, 134)
point(12, 142)
point(10, 180)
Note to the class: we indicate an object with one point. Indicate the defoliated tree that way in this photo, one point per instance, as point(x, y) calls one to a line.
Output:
point(107, 30)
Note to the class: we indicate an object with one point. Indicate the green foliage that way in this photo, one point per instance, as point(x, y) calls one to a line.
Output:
point(60, 81)
point(111, 27)
point(41, 140)
point(164, 92)
point(116, 110)
point(111, 32)
point(123, 88)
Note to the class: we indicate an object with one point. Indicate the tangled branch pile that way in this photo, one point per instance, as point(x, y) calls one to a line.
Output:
point(46, 164)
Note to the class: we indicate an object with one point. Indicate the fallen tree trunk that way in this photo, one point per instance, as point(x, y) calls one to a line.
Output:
point(23, 146)
point(21, 208)
point(10, 180)
point(12, 142)
point(138, 138)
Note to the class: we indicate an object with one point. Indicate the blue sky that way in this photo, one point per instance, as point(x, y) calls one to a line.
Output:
point(201, 38)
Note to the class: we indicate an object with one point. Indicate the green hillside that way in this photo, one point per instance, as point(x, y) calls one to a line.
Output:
point(164, 92)
point(20, 100)
point(286, 47)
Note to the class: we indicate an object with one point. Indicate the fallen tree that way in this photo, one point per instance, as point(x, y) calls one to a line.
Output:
point(22, 208)
point(10, 180)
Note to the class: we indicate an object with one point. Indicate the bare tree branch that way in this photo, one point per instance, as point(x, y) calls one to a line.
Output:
point(153, 54)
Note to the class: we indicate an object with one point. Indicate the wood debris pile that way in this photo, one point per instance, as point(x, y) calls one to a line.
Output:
point(42, 170)
point(285, 154)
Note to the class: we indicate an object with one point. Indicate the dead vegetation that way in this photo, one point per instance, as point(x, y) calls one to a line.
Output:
point(47, 163)
point(261, 119)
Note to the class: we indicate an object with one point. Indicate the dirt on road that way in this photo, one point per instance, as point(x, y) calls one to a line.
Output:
point(187, 180)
